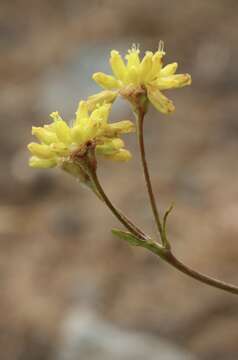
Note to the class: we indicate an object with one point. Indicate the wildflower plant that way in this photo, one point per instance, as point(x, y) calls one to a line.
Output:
point(74, 147)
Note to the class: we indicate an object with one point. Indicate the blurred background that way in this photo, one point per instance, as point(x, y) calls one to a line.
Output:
point(69, 289)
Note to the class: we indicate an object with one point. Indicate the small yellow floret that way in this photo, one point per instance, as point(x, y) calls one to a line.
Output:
point(148, 74)
point(58, 140)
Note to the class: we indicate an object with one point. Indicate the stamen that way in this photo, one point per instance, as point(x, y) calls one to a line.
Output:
point(134, 48)
point(161, 46)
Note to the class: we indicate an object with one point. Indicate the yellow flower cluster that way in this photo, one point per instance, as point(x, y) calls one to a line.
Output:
point(59, 143)
point(58, 140)
point(149, 74)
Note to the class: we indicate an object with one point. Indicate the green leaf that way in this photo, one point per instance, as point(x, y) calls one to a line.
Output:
point(129, 237)
point(133, 240)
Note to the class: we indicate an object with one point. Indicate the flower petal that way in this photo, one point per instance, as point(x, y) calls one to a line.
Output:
point(156, 64)
point(38, 163)
point(106, 81)
point(60, 128)
point(41, 150)
point(160, 102)
point(63, 132)
point(132, 76)
point(60, 149)
point(169, 69)
point(81, 134)
point(98, 99)
point(117, 64)
point(110, 147)
point(121, 155)
point(100, 115)
point(132, 57)
point(82, 111)
point(44, 136)
point(146, 66)
point(120, 127)
point(173, 81)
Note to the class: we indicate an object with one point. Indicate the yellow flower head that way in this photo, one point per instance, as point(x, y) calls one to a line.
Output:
point(148, 75)
point(58, 141)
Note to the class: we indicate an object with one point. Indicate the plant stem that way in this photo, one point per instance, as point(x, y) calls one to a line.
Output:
point(121, 217)
point(172, 260)
point(164, 251)
point(169, 257)
point(140, 133)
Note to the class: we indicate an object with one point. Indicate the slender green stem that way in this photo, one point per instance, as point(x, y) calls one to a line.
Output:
point(120, 216)
point(169, 257)
point(164, 251)
point(140, 123)
point(172, 260)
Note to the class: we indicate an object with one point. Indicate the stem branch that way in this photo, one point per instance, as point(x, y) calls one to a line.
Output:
point(172, 260)
point(164, 250)
point(169, 257)
point(140, 122)
point(120, 216)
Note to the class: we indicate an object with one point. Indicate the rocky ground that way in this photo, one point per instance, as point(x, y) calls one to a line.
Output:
point(58, 261)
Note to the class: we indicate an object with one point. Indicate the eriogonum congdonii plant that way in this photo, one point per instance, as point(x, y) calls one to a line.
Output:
point(75, 148)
